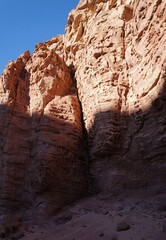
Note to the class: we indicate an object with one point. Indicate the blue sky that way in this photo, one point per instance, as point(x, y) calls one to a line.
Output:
point(24, 23)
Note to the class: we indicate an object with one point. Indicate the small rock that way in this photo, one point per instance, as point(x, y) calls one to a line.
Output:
point(84, 226)
point(63, 219)
point(133, 208)
point(120, 214)
point(101, 234)
point(123, 226)
point(119, 208)
point(105, 212)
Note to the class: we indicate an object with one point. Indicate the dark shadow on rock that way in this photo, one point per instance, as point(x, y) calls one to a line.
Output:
point(42, 165)
point(42, 158)
point(129, 151)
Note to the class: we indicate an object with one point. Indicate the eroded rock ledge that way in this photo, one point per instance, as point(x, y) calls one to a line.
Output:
point(97, 94)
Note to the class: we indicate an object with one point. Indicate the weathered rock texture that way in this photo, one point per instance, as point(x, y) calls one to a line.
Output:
point(113, 54)
point(121, 48)
point(42, 146)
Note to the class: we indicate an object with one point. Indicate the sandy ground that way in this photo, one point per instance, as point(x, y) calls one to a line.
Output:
point(131, 217)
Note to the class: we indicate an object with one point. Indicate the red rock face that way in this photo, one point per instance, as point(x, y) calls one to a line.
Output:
point(121, 47)
point(114, 53)
point(42, 146)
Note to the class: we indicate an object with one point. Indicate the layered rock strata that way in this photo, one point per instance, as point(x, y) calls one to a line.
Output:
point(42, 146)
point(121, 48)
point(96, 93)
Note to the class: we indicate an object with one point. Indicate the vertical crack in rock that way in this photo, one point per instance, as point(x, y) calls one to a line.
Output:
point(85, 134)
point(56, 132)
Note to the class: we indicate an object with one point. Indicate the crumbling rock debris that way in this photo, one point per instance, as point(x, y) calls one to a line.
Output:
point(87, 108)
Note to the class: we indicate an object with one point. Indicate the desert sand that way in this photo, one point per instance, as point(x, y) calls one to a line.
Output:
point(138, 215)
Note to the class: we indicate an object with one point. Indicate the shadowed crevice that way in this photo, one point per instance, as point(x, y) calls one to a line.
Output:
point(85, 133)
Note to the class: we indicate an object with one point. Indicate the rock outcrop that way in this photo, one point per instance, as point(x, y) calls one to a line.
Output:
point(86, 107)
point(121, 45)
point(42, 146)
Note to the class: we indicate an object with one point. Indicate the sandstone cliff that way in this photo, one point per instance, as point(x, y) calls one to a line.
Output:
point(42, 147)
point(86, 108)
point(121, 48)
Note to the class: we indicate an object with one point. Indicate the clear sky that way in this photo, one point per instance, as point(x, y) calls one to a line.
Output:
point(24, 23)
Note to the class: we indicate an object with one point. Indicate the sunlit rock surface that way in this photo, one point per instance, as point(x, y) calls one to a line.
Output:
point(121, 86)
point(42, 146)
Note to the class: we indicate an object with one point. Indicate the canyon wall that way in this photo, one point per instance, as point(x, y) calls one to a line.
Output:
point(42, 148)
point(121, 48)
point(86, 111)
